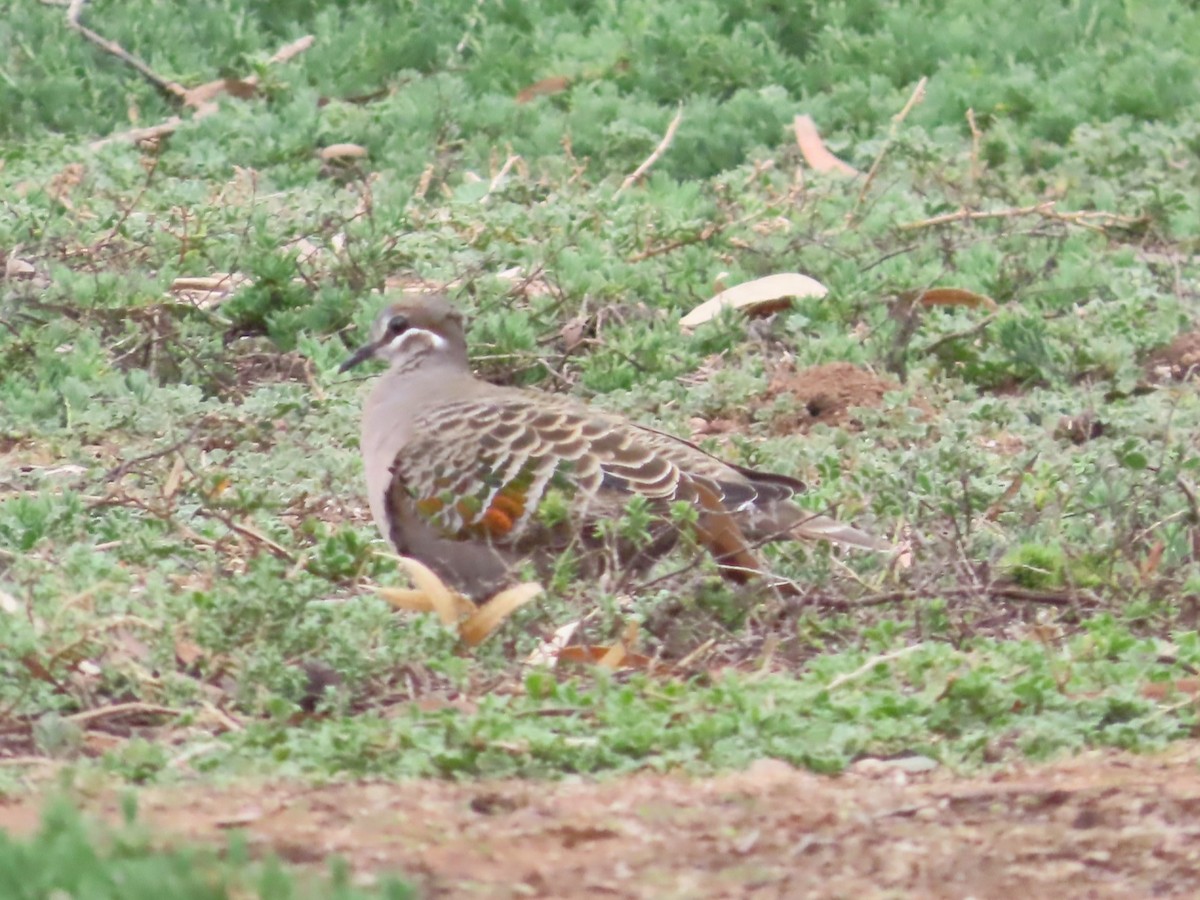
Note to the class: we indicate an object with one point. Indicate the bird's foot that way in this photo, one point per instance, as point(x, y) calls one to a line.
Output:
point(473, 623)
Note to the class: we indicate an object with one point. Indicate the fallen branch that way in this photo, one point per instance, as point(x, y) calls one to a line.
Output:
point(166, 86)
point(202, 99)
point(1085, 218)
point(249, 533)
point(650, 160)
point(704, 234)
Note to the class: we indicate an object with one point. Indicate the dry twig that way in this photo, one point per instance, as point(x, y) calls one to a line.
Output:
point(1085, 218)
point(976, 136)
point(974, 215)
point(871, 664)
point(498, 178)
point(650, 160)
point(916, 97)
point(814, 151)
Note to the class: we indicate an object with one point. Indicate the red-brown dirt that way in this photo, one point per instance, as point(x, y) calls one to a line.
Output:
point(826, 394)
point(1103, 824)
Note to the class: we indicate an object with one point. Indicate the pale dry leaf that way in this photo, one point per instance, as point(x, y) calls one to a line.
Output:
point(204, 94)
point(582, 654)
point(759, 297)
point(814, 150)
point(208, 291)
point(18, 268)
point(342, 152)
point(546, 654)
point(487, 618)
point(187, 652)
point(555, 84)
point(174, 477)
point(613, 658)
point(306, 251)
point(619, 654)
point(9, 604)
point(1161, 690)
point(241, 818)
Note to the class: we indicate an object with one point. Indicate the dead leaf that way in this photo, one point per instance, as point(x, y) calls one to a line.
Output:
point(240, 819)
point(18, 268)
point(1161, 690)
point(583, 654)
point(950, 297)
point(204, 94)
point(174, 477)
point(64, 183)
point(547, 652)
point(555, 84)
point(342, 152)
point(759, 297)
point(436, 703)
point(574, 332)
point(1153, 558)
point(187, 652)
point(9, 604)
point(208, 291)
point(1011, 491)
point(814, 151)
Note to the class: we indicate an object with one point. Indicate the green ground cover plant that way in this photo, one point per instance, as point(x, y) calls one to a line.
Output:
point(187, 570)
point(65, 859)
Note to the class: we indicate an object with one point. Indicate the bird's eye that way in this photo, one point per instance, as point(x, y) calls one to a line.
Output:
point(397, 325)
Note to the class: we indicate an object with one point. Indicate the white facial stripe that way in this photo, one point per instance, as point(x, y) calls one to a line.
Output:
point(407, 342)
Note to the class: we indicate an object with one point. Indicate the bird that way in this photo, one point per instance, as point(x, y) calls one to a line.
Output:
point(475, 480)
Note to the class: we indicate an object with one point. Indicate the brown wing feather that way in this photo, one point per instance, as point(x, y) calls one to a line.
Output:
point(481, 467)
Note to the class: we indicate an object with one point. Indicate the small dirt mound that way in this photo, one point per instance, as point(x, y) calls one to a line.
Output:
point(1177, 361)
point(824, 394)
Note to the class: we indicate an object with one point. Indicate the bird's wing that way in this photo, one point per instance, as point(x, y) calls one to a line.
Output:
point(480, 468)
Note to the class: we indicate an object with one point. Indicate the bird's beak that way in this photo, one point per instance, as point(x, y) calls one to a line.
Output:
point(361, 355)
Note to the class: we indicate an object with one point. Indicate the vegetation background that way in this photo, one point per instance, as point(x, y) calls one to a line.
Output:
point(186, 565)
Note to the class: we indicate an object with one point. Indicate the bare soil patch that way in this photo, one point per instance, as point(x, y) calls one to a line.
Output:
point(1178, 360)
point(1104, 824)
point(827, 394)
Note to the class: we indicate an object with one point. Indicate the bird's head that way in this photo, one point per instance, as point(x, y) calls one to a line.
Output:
point(414, 332)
